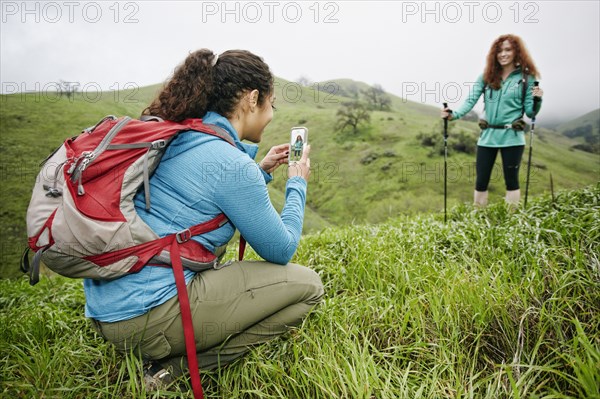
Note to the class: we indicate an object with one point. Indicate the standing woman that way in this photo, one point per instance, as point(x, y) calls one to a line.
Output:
point(236, 305)
point(509, 66)
point(298, 146)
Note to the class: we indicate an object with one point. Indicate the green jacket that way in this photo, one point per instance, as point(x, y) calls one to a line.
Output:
point(502, 107)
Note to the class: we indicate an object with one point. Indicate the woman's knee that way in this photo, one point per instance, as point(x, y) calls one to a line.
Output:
point(309, 279)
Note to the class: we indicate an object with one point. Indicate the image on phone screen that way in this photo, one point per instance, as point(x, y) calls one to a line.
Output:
point(298, 138)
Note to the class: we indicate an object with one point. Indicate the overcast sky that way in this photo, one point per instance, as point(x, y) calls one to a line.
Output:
point(427, 52)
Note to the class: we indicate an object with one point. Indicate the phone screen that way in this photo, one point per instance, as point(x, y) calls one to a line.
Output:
point(298, 139)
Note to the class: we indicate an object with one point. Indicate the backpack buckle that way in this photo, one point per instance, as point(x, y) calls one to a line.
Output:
point(183, 236)
point(158, 144)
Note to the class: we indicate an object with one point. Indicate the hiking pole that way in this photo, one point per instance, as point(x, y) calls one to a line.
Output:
point(446, 163)
point(535, 102)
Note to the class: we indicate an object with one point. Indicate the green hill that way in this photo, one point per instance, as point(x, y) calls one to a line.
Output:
point(591, 118)
point(382, 172)
point(585, 129)
point(493, 304)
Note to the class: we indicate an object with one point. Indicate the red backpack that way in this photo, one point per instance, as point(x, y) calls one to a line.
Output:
point(81, 220)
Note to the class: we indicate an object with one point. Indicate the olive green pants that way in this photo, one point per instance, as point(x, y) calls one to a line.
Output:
point(233, 309)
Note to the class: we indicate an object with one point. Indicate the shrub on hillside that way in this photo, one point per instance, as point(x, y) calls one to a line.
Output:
point(352, 116)
point(592, 141)
point(461, 141)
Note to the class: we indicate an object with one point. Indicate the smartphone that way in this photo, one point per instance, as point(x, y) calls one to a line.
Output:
point(298, 139)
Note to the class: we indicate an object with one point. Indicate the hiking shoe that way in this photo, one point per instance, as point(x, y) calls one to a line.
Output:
point(156, 377)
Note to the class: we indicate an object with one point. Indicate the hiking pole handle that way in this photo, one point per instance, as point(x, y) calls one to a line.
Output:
point(536, 99)
point(446, 120)
point(446, 108)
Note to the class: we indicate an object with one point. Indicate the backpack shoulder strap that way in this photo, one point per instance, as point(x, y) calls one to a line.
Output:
point(524, 83)
point(148, 118)
point(221, 133)
point(214, 130)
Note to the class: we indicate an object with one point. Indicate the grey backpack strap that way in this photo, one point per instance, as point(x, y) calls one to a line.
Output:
point(151, 118)
point(32, 269)
point(222, 133)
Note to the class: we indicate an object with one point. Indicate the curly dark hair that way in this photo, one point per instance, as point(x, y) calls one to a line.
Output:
point(197, 86)
point(492, 74)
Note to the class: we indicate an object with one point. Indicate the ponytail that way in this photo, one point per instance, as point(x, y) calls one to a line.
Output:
point(207, 82)
point(187, 93)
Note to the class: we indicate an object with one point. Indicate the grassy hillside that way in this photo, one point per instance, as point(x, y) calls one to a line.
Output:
point(591, 118)
point(493, 304)
point(382, 172)
point(586, 130)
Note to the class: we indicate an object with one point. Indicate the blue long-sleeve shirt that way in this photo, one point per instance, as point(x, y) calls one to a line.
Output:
point(199, 177)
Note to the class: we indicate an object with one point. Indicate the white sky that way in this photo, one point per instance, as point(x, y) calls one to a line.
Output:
point(424, 51)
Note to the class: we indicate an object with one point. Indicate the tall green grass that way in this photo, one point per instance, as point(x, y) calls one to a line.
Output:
point(497, 303)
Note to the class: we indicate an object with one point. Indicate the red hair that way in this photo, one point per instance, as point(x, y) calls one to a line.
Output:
point(492, 75)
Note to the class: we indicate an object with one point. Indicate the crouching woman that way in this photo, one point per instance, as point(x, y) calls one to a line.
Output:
point(200, 176)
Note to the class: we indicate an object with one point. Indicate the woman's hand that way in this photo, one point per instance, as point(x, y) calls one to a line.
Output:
point(276, 156)
point(302, 167)
point(537, 91)
point(446, 114)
